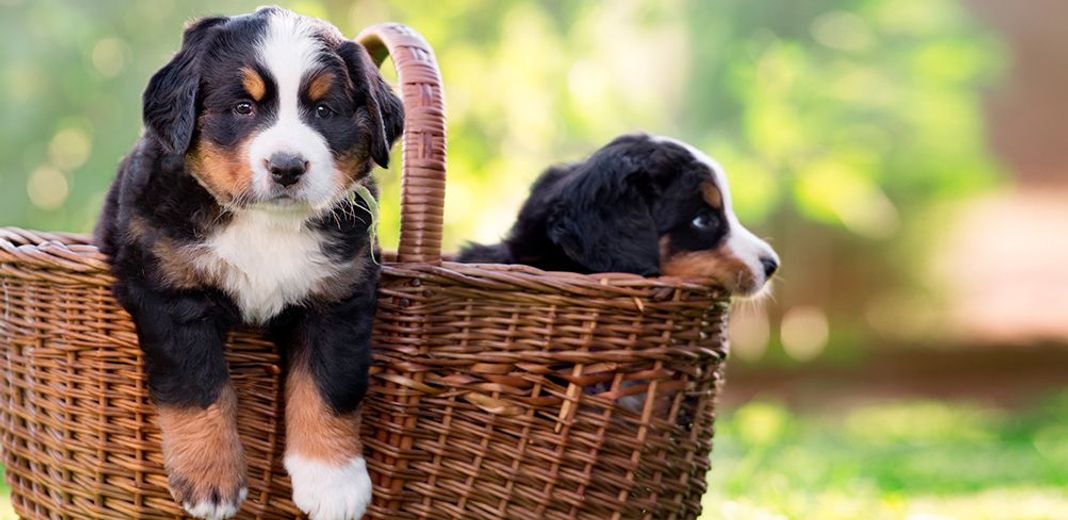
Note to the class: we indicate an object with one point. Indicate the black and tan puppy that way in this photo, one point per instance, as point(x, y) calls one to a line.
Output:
point(642, 204)
point(236, 207)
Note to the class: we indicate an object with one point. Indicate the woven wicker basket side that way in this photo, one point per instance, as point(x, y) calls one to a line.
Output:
point(513, 393)
point(79, 433)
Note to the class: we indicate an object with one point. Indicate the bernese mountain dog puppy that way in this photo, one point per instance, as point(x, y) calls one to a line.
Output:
point(642, 204)
point(237, 206)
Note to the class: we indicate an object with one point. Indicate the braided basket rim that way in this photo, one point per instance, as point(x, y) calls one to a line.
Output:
point(74, 252)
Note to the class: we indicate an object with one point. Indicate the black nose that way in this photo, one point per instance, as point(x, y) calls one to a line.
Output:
point(770, 266)
point(286, 168)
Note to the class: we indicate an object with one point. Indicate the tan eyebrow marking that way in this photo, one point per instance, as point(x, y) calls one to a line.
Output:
point(320, 86)
point(253, 83)
point(712, 195)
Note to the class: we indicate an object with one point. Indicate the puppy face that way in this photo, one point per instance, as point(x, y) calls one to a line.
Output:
point(653, 205)
point(699, 234)
point(272, 110)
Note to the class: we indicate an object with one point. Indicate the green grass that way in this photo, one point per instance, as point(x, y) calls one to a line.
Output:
point(901, 460)
point(6, 513)
point(914, 460)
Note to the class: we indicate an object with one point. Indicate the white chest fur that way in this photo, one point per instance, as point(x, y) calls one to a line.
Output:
point(265, 262)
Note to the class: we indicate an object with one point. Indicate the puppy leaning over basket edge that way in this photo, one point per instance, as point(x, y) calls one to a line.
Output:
point(235, 207)
point(642, 204)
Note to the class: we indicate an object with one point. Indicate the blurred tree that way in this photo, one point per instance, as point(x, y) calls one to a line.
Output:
point(845, 125)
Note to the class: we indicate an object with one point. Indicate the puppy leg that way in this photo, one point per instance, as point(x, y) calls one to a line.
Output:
point(326, 383)
point(324, 455)
point(204, 459)
point(182, 336)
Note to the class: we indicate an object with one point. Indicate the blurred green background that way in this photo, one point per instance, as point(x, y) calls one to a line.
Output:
point(905, 157)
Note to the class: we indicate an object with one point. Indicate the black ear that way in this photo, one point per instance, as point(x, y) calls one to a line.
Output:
point(603, 219)
point(384, 107)
point(170, 100)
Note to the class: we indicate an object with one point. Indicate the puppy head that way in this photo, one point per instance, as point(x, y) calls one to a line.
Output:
point(272, 110)
point(652, 205)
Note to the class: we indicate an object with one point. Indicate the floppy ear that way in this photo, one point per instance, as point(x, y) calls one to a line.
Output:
point(603, 220)
point(170, 100)
point(384, 107)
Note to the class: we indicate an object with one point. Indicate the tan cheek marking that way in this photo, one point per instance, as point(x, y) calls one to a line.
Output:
point(177, 264)
point(201, 448)
point(320, 86)
point(136, 228)
point(312, 430)
point(351, 167)
point(717, 264)
point(225, 173)
point(253, 83)
point(355, 164)
point(713, 197)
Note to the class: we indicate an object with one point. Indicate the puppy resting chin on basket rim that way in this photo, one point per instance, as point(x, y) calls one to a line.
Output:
point(239, 205)
point(641, 204)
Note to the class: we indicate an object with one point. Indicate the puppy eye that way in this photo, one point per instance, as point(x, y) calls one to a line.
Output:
point(323, 112)
point(704, 221)
point(243, 108)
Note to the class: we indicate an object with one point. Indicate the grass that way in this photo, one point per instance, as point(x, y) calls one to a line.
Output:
point(914, 460)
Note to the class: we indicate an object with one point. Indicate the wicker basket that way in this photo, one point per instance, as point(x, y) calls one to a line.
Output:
point(498, 391)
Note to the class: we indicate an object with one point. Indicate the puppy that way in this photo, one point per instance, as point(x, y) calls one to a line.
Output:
point(642, 204)
point(237, 206)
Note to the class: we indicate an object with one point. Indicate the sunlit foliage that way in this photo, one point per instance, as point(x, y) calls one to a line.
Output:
point(845, 126)
point(848, 111)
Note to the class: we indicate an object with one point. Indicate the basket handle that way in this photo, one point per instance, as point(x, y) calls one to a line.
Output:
point(423, 164)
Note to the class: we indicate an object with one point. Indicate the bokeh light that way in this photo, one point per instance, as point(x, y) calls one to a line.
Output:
point(47, 188)
point(805, 332)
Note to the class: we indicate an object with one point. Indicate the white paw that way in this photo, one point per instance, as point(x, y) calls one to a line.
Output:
point(215, 509)
point(328, 491)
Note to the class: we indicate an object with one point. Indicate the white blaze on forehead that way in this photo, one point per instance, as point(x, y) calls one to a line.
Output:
point(742, 242)
point(289, 50)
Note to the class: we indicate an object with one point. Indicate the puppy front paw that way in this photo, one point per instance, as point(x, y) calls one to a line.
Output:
point(209, 500)
point(327, 491)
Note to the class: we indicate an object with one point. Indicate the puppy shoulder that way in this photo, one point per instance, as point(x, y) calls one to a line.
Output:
point(129, 183)
point(550, 178)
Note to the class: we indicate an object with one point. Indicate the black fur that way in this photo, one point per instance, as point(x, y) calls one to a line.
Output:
point(194, 173)
point(322, 337)
point(384, 108)
point(156, 199)
point(608, 213)
point(170, 101)
point(181, 331)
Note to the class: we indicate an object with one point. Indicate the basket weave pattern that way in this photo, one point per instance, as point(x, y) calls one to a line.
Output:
point(497, 391)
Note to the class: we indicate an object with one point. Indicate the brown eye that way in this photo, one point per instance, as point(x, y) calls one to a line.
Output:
point(323, 112)
point(243, 108)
